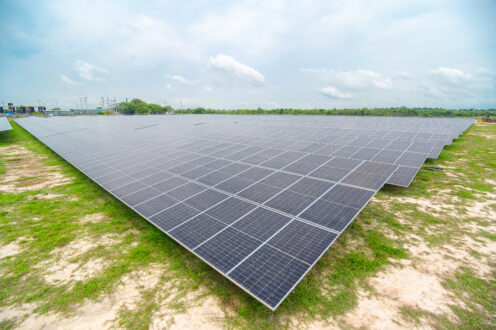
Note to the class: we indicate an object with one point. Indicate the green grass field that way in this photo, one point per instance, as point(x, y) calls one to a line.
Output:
point(69, 248)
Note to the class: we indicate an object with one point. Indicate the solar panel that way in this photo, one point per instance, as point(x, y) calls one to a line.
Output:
point(259, 200)
point(4, 124)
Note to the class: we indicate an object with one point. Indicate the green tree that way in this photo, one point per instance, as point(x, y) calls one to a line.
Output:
point(142, 109)
point(155, 108)
point(125, 108)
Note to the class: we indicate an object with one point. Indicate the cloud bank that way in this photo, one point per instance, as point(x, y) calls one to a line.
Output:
point(229, 67)
point(181, 79)
point(354, 53)
point(334, 93)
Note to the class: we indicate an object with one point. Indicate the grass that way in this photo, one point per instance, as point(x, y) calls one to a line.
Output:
point(44, 226)
point(479, 295)
point(490, 236)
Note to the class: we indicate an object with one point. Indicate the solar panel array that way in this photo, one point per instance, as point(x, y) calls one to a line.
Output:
point(4, 124)
point(259, 198)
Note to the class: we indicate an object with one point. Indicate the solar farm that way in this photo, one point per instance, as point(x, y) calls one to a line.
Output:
point(260, 199)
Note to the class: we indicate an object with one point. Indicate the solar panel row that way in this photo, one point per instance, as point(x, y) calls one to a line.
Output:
point(260, 199)
point(4, 124)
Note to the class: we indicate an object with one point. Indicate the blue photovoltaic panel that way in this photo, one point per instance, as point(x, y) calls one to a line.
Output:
point(259, 192)
point(4, 124)
point(259, 199)
point(269, 274)
point(331, 215)
point(261, 223)
point(196, 231)
point(290, 202)
point(227, 249)
point(173, 216)
point(230, 210)
point(303, 241)
point(349, 196)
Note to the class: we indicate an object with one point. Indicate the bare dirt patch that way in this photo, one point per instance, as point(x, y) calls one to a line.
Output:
point(206, 314)
point(10, 249)
point(443, 261)
point(92, 218)
point(491, 181)
point(63, 272)
point(480, 208)
point(16, 313)
point(64, 267)
point(48, 196)
point(418, 285)
point(94, 314)
point(429, 205)
point(25, 171)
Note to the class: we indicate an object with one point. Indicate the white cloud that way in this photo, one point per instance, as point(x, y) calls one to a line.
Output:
point(451, 75)
point(208, 89)
point(181, 79)
point(89, 71)
point(254, 28)
point(285, 36)
point(334, 93)
point(149, 40)
point(354, 80)
point(455, 86)
point(228, 66)
point(68, 80)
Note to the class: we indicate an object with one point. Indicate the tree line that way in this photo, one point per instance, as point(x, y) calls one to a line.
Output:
point(137, 106)
point(390, 112)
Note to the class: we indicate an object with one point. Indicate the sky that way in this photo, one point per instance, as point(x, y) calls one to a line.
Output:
point(250, 54)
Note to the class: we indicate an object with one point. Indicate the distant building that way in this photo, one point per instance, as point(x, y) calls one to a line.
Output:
point(58, 112)
point(96, 111)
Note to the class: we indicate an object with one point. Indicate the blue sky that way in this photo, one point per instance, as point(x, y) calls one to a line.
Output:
point(248, 54)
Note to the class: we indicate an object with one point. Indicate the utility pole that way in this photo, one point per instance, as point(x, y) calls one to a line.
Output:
point(86, 101)
point(103, 103)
